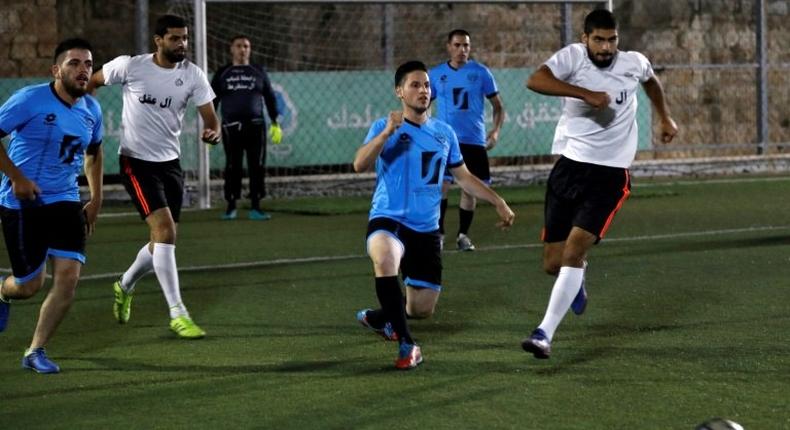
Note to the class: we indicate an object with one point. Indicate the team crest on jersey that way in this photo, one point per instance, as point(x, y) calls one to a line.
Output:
point(442, 139)
point(472, 77)
point(443, 78)
point(50, 119)
point(404, 138)
point(179, 82)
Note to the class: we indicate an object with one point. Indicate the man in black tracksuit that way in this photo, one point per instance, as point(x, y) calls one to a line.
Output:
point(241, 89)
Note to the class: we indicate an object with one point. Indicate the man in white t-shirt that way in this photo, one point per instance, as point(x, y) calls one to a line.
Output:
point(156, 89)
point(597, 139)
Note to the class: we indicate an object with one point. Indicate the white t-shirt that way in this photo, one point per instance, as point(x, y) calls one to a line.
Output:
point(154, 102)
point(607, 136)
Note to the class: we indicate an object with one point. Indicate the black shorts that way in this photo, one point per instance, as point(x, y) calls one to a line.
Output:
point(476, 160)
point(421, 265)
point(153, 185)
point(32, 234)
point(583, 195)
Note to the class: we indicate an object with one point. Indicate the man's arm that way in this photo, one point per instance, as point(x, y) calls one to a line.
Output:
point(544, 82)
point(94, 172)
point(367, 154)
point(655, 92)
point(24, 188)
point(474, 186)
point(96, 81)
point(499, 119)
point(269, 97)
point(211, 131)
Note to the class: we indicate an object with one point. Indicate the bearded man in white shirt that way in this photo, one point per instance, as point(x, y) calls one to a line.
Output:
point(156, 89)
point(596, 137)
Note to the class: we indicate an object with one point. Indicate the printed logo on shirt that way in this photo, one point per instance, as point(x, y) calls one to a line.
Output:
point(472, 77)
point(461, 98)
point(443, 78)
point(431, 165)
point(179, 82)
point(50, 119)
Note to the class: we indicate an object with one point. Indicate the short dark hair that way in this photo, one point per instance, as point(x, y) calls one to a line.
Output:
point(457, 32)
point(601, 19)
point(406, 68)
point(237, 37)
point(73, 43)
point(168, 21)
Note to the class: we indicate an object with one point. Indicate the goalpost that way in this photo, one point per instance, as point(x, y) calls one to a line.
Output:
point(331, 65)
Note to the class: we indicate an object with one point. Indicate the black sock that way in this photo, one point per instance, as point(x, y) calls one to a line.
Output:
point(231, 206)
point(443, 209)
point(464, 220)
point(391, 299)
point(376, 318)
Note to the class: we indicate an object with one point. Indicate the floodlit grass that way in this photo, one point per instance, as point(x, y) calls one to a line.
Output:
point(687, 320)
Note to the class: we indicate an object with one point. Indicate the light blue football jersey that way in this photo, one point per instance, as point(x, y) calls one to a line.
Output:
point(409, 172)
point(48, 138)
point(461, 95)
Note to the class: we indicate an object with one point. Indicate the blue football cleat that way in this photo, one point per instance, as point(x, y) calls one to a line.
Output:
point(227, 216)
point(538, 344)
point(38, 361)
point(387, 332)
point(257, 215)
point(409, 356)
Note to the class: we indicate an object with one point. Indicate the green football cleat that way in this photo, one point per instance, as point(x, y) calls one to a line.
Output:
point(122, 308)
point(186, 328)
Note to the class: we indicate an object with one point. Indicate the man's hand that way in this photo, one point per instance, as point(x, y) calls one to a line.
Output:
point(394, 121)
point(275, 133)
point(24, 188)
point(91, 211)
point(506, 215)
point(492, 139)
point(597, 99)
point(668, 130)
point(210, 136)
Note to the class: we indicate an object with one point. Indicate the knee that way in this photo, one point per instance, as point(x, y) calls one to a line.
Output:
point(551, 267)
point(164, 234)
point(28, 289)
point(386, 264)
point(419, 312)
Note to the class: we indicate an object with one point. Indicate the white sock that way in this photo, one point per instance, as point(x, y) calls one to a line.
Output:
point(167, 273)
point(143, 264)
point(562, 294)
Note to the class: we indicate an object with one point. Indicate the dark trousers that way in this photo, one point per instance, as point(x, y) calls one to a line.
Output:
point(237, 138)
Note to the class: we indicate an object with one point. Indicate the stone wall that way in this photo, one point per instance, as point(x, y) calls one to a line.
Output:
point(713, 105)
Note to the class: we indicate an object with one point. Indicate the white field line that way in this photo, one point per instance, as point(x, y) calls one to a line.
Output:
point(321, 259)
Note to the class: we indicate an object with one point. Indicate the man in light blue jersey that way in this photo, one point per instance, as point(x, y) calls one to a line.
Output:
point(411, 153)
point(55, 128)
point(460, 86)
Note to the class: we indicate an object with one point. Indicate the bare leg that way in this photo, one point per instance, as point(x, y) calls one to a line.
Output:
point(66, 273)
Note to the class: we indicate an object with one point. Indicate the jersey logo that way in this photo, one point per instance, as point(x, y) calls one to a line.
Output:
point(431, 164)
point(621, 98)
point(179, 82)
point(50, 119)
point(472, 77)
point(461, 98)
point(443, 78)
point(67, 150)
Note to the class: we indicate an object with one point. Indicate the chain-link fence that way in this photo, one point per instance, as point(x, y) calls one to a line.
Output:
point(332, 66)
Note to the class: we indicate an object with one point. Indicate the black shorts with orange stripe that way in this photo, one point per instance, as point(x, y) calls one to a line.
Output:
point(583, 195)
point(153, 185)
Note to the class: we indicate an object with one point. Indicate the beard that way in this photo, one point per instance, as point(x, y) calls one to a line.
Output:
point(174, 57)
point(600, 63)
point(73, 88)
